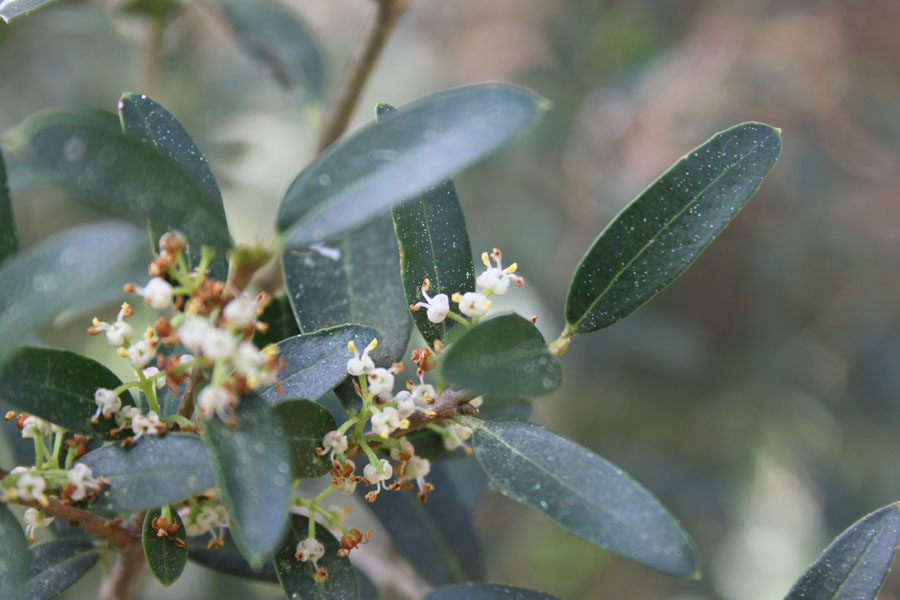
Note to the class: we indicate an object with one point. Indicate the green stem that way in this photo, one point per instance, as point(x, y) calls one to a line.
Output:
point(459, 318)
point(326, 514)
point(38, 452)
point(147, 386)
point(311, 532)
point(347, 425)
point(181, 421)
point(57, 446)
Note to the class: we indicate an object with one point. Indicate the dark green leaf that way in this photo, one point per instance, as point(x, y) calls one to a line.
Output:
point(15, 560)
point(156, 471)
point(505, 356)
point(11, 9)
point(305, 423)
point(9, 235)
point(252, 467)
point(227, 559)
point(656, 237)
point(149, 122)
point(584, 494)
point(855, 565)
point(165, 558)
point(382, 164)
point(297, 578)
point(316, 362)
point(88, 154)
point(279, 316)
point(501, 407)
point(486, 591)
point(277, 38)
point(68, 269)
point(361, 286)
point(436, 537)
point(57, 564)
point(59, 386)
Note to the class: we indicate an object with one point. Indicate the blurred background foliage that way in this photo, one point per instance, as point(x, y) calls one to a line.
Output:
point(757, 397)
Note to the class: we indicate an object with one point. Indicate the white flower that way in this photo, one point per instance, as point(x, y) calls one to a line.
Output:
point(437, 307)
point(118, 332)
point(126, 414)
point(160, 382)
point(423, 394)
point(193, 331)
point(31, 487)
point(472, 304)
point(406, 406)
point(35, 426)
point(81, 477)
point(240, 312)
point(334, 443)
point(360, 365)
point(404, 452)
point(476, 402)
point(387, 421)
point(218, 344)
point(370, 472)
point(381, 381)
point(347, 486)
point(456, 436)
point(147, 424)
point(35, 519)
point(215, 400)
point(248, 362)
point(496, 280)
point(310, 550)
point(141, 353)
point(157, 293)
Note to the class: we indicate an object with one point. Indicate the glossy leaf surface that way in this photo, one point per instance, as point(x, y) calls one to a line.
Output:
point(9, 235)
point(165, 558)
point(15, 560)
point(11, 9)
point(279, 316)
point(856, 564)
point(297, 578)
point(486, 591)
point(57, 564)
point(662, 231)
point(305, 423)
point(584, 494)
point(385, 163)
point(506, 356)
point(227, 559)
point(156, 471)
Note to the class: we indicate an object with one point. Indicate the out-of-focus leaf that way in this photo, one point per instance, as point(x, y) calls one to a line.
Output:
point(162, 10)
point(656, 237)
point(227, 559)
point(59, 386)
point(505, 356)
point(165, 558)
point(57, 564)
point(362, 285)
point(297, 578)
point(12, 9)
point(305, 423)
point(15, 560)
point(252, 467)
point(156, 471)
point(9, 235)
point(856, 563)
point(149, 122)
point(486, 591)
point(87, 153)
point(277, 38)
point(316, 362)
point(65, 270)
point(584, 494)
point(436, 537)
point(279, 316)
point(385, 163)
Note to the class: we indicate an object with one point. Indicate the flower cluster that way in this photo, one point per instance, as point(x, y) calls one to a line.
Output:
point(205, 516)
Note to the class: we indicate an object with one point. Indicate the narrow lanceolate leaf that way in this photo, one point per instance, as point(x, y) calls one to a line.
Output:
point(316, 362)
point(146, 120)
point(59, 386)
point(11, 9)
point(385, 163)
point(227, 559)
point(304, 424)
point(436, 536)
point(87, 153)
point(278, 39)
point(68, 269)
point(57, 564)
point(165, 557)
point(486, 591)
point(279, 316)
point(506, 356)
point(9, 235)
point(354, 280)
point(156, 471)
point(656, 237)
point(298, 578)
point(584, 494)
point(252, 466)
point(855, 565)
point(15, 560)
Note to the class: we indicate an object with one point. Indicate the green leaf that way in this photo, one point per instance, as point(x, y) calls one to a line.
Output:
point(316, 362)
point(156, 471)
point(87, 153)
point(9, 235)
point(59, 386)
point(165, 558)
point(227, 559)
point(74, 267)
point(12, 9)
point(584, 494)
point(149, 122)
point(305, 423)
point(297, 578)
point(277, 38)
point(361, 286)
point(57, 564)
point(382, 164)
point(252, 467)
point(656, 237)
point(279, 316)
point(505, 356)
point(15, 560)
point(855, 565)
point(486, 591)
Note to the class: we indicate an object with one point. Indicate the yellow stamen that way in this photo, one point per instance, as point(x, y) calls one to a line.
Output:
point(97, 322)
point(512, 268)
point(430, 414)
point(125, 307)
point(270, 351)
point(485, 259)
point(384, 434)
point(44, 500)
point(426, 285)
point(372, 345)
point(404, 424)
point(487, 303)
point(456, 297)
point(352, 347)
point(123, 352)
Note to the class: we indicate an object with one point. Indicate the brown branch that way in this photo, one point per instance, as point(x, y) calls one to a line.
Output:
point(360, 68)
point(129, 563)
point(186, 408)
point(118, 537)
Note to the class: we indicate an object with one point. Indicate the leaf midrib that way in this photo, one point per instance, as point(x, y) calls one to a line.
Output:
point(859, 559)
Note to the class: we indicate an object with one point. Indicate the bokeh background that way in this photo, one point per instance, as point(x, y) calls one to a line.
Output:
point(757, 396)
